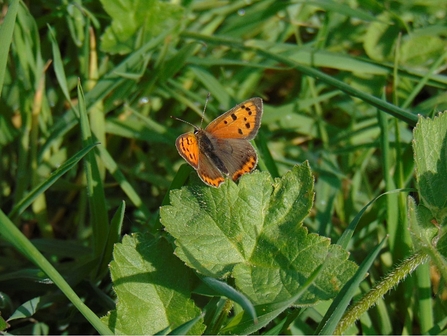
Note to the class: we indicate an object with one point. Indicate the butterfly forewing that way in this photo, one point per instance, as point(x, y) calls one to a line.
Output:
point(241, 122)
point(188, 148)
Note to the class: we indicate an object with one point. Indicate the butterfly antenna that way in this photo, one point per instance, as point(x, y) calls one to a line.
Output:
point(186, 122)
point(204, 108)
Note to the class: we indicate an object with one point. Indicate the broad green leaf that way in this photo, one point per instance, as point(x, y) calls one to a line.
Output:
point(186, 327)
point(152, 288)
point(242, 324)
point(378, 40)
point(254, 232)
point(421, 228)
point(136, 22)
point(430, 154)
point(29, 308)
point(430, 216)
point(421, 50)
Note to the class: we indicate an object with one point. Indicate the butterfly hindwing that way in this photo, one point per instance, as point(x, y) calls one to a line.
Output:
point(208, 172)
point(238, 156)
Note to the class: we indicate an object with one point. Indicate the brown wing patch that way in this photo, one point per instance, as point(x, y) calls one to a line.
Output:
point(238, 155)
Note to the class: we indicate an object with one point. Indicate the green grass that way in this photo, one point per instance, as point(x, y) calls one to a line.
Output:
point(103, 227)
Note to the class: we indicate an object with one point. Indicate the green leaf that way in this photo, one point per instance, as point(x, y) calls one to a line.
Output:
point(427, 235)
point(152, 288)
point(378, 38)
point(242, 324)
point(430, 153)
point(29, 308)
point(186, 327)
point(430, 216)
point(421, 50)
point(3, 324)
point(254, 232)
point(421, 228)
point(136, 22)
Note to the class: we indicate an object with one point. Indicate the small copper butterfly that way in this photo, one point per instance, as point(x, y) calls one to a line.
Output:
point(223, 147)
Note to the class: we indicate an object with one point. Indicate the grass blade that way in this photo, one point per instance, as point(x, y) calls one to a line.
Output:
point(13, 235)
point(338, 306)
point(6, 31)
point(25, 202)
point(95, 185)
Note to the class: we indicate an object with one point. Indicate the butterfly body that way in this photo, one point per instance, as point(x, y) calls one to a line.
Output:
point(222, 148)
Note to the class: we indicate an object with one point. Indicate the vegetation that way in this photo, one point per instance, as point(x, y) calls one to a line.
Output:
point(104, 228)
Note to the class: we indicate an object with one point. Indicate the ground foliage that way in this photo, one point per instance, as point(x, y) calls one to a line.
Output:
point(343, 83)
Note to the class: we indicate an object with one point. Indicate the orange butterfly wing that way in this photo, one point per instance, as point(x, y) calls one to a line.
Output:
point(188, 148)
point(241, 122)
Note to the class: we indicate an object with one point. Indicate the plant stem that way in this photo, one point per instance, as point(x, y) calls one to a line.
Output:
point(380, 289)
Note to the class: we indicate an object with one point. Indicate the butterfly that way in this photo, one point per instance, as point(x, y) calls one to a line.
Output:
point(223, 147)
